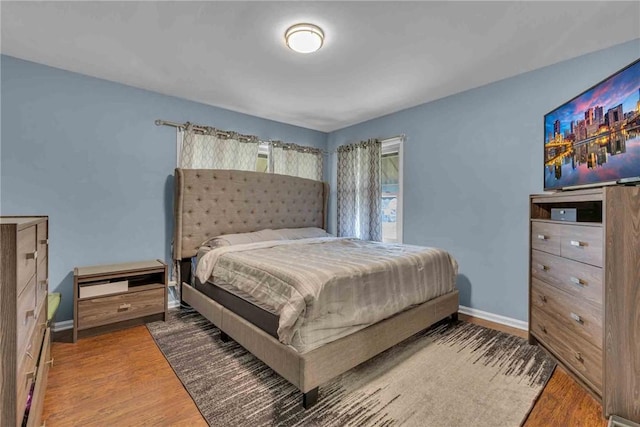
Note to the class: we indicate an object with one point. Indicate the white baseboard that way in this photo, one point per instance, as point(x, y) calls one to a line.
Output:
point(496, 318)
point(62, 326)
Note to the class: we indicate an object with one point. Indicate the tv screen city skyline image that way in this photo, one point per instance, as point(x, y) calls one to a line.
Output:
point(595, 137)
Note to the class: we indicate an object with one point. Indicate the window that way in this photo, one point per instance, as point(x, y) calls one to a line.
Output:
point(262, 162)
point(391, 177)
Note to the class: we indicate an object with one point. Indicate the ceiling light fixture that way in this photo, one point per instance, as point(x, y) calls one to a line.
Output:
point(304, 38)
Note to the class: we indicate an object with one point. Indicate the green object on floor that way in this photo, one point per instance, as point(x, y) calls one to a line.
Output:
point(53, 302)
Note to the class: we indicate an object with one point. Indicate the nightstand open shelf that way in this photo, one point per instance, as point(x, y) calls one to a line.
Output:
point(121, 295)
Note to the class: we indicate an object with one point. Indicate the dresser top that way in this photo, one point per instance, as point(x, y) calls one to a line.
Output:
point(22, 221)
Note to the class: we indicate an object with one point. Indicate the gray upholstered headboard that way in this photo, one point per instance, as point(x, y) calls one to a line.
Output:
point(211, 202)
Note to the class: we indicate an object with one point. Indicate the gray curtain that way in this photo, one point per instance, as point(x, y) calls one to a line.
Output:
point(359, 190)
point(295, 160)
point(210, 148)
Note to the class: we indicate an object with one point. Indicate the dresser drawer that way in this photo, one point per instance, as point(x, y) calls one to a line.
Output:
point(42, 240)
point(26, 315)
point(26, 256)
point(546, 237)
point(582, 243)
point(28, 360)
point(37, 401)
point(42, 282)
point(105, 310)
point(573, 314)
point(579, 355)
point(580, 280)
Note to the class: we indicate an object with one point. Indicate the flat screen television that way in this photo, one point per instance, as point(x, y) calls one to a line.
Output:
point(594, 139)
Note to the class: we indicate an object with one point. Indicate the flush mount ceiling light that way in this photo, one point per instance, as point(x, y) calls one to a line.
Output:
point(304, 38)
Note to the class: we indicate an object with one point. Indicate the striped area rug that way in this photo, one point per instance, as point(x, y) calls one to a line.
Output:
point(449, 375)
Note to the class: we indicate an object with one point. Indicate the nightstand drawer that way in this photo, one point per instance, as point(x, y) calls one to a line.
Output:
point(581, 356)
point(582, 243)
point(546, 237)
point(106, 310)
point(580, 280)
point(573, 314)
point(26, 256)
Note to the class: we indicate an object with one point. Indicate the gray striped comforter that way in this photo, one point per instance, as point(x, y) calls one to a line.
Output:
point(326, 288)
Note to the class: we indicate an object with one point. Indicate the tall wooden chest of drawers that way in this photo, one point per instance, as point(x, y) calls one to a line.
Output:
point(584, 292)
point(25, 338)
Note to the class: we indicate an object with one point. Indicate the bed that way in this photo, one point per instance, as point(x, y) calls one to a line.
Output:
point(211, 203)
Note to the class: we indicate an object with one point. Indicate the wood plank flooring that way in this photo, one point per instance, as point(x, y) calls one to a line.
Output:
point(122, 379)
point(117, 379)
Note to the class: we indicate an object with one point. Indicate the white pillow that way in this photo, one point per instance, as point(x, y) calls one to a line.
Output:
point(302, 233)
point(243, 238)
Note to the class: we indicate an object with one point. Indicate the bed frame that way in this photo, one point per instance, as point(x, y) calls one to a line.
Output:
point(211, 202)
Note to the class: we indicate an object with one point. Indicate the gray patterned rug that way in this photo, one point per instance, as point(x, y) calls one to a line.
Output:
point(460, 375)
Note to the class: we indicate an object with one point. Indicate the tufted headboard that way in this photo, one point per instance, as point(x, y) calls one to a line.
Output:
point(211, 202)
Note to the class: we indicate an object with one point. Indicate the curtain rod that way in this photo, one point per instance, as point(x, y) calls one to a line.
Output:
point(160, 122)
point(182, 126)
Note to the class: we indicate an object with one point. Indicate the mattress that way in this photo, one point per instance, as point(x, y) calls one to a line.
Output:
point(325, 288)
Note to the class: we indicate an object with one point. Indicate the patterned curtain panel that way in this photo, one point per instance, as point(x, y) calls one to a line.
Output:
point(359, 190)
point(295, 160)
point(213, 149)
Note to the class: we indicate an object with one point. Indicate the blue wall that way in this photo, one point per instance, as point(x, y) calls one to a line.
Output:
point(87, 153)
point(471, 160)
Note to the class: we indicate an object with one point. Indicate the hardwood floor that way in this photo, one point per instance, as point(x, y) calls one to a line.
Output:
point(117, 379)
point(122, 379)
point(564, 403)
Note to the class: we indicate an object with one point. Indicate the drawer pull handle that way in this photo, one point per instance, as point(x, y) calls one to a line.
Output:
point(543, 267)
point(577, 243)
point(29, 354)
point(576, 280)
point(578, 356)
point(30, 313)
point(30, 375)
point(542, 237)
point(543, 329)
point(543, 298)
point(32, 255)
point(49, 362)
point(44, 282)
point(576, 317)
point(124, 307)
point(44, 241)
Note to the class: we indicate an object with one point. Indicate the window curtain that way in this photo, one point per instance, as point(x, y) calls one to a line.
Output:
point(359, 190)
point(209, 148)
point(295, 160)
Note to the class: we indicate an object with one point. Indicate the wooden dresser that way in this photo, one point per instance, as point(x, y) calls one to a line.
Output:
point(584, 292)
point(25, 338)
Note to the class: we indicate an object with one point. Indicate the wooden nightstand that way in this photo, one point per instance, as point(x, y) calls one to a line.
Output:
point(110, 297)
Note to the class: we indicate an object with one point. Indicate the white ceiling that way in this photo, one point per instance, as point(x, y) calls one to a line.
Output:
point(378, 57)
